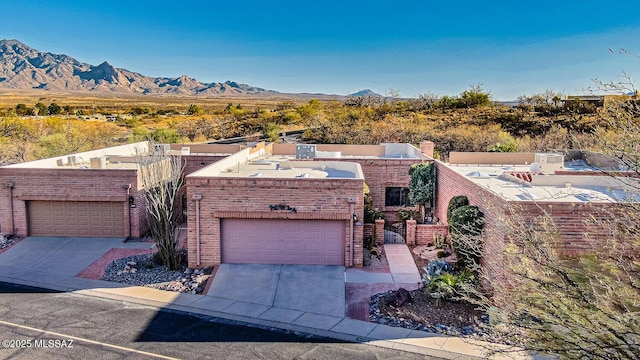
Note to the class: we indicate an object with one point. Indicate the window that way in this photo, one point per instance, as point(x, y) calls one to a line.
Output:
point(396, 196)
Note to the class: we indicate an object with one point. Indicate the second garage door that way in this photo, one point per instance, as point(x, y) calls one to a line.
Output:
point(76, 218)
point(275, 241)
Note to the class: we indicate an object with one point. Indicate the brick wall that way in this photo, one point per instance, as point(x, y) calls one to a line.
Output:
point(425, 233)
point(571, 219)
point(194, 163)
point(320, 199)
point(69, 185)
point(411, 232)
point(379, 231)
point(382, 173)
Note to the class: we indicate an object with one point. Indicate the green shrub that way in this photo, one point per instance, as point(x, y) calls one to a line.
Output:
point(465, 227)
point(454, 203)
point(407, 214)
point(448, 284)
point(422, 184)
point(371, 214)
point(466, 220)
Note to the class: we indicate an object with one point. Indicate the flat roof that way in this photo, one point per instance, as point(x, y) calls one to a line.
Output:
point(350, 151)
point(282, 167)
point(575, 188)
point(117, 157)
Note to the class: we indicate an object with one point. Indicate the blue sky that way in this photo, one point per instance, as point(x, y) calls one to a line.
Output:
point(340, 47)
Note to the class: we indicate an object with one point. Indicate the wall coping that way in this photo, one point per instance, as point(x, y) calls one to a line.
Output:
point(280, 214)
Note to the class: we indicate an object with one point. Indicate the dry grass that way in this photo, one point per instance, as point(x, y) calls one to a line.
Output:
point(118, 102)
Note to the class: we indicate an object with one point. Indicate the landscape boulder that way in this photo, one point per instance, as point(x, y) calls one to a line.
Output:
point(399, 298)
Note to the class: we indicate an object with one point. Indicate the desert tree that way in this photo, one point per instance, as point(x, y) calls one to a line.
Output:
point(547, 102)
point(195, 110)
point(584, 306)
point(161, 176)
point(423, 102)
point(475, 96)
point(271, 132)
point(188, 128)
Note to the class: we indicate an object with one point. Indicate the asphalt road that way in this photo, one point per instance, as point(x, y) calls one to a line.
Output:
point(41, 324)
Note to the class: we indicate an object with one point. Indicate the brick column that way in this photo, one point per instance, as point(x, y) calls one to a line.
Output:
point(411, 232)
point(426, 147)
point(379, 231)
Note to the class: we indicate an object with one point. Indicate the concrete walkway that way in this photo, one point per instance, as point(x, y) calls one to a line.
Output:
point(57, 275)
point(403, 269)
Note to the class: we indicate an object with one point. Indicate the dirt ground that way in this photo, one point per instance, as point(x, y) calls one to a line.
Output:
point(429, 311)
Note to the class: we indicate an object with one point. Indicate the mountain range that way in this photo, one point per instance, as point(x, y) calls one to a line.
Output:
point(22, 68)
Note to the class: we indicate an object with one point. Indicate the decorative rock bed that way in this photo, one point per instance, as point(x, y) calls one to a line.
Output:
point(5, 242)
point(479, 331)
point(141, 270)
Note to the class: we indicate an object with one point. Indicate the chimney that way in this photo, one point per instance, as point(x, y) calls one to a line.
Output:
point(97, 163)
point(426, 147)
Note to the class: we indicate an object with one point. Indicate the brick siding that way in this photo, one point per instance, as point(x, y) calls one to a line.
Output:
point(425, 233)
point(69, 185)
point(382, 173)
point(577, 234)
point(319, 199)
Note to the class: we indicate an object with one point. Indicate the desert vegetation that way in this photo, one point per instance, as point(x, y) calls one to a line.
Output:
point(36, 126)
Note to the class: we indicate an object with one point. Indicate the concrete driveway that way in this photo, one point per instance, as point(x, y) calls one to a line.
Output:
point(290, 289)
point(61, 256)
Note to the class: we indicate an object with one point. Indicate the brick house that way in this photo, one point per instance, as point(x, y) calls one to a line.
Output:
point(569, 192)
point(291, 204)
point(90, 194)
point(309, 210)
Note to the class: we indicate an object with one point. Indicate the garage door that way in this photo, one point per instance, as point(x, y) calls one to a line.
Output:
point(76, 218)
point(270, 241)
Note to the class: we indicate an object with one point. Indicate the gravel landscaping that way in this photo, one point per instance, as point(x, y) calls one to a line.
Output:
point(428, 314)
point(443, 317)
point(141, 270)
point(5, 242)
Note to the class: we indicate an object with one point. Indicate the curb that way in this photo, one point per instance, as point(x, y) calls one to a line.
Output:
point(401, 343)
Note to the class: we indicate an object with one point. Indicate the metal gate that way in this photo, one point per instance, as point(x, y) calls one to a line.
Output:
point(395, 233)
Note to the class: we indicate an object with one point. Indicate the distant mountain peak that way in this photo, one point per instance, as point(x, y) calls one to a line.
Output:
point(12, 42)
point(22, 67)
point(366, 92)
